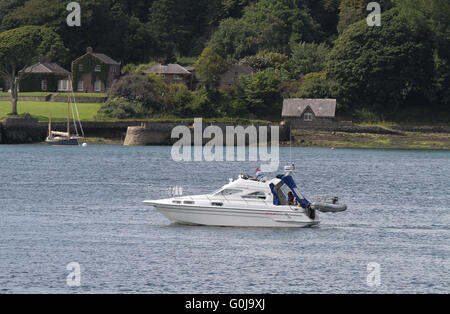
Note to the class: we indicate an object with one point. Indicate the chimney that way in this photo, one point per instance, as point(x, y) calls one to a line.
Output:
point(41, 58)
point(89, 50)
point(48, 58)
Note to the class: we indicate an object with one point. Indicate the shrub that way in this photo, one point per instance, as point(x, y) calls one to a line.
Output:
point(145, 90)
point(176, 98)
point(264, 60)
point(307, 58)
point(364, 115)
point(315, 85)
point(122, 108)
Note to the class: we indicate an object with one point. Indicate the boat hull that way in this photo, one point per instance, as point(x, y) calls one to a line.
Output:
point(63, 141)
point(233, 217)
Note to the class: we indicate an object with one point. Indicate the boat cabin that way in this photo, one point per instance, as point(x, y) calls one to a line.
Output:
point(271, 190)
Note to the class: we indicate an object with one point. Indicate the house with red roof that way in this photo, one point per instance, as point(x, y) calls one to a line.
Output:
point(173, 74)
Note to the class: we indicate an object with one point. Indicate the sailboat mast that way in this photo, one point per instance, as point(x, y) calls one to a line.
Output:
point(50, 126)
point(68, 114)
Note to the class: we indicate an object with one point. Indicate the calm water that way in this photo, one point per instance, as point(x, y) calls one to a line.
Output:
point(73, 204)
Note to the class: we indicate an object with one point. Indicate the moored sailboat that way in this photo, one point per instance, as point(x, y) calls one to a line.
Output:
point(65, 138)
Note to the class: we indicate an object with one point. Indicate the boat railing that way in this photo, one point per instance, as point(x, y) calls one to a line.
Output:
point(176, 192)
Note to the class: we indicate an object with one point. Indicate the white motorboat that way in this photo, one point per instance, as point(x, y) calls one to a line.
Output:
point(247, 203)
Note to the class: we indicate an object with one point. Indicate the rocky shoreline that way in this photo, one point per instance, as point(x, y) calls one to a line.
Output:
point(30, 131)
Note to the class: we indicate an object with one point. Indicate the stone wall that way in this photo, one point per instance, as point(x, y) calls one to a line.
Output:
point(28, 98)
point(90, 100)
point(81, 100)
point(149, 134)
point(25, 131)
point(160, 134)
point(22, 131)
point(317, 123)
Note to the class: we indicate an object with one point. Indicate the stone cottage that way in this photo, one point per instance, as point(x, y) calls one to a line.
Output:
point(230, 77)
point(94, 72)
point(173, 74)
point(44, 76)
point(309, 113)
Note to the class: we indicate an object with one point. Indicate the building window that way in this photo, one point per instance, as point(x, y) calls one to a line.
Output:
point(98, 86)
point(98, 68)
point(63, 85)
point(81, 68)
point(177, 77)
point(80, 86)
point(308, 116)
point(44, 85)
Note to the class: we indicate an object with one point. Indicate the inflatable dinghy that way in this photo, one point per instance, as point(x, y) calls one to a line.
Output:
point(329, 207)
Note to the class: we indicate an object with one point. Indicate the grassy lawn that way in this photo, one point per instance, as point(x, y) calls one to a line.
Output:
point(42, 110)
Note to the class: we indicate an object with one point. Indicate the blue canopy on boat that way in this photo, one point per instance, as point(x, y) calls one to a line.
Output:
point(289, 181)
point(276, 200)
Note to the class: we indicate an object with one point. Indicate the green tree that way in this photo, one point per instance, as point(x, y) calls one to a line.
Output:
point(307, 58)
point(326, 14)
point(176, 98)
point(233, 40)
point(265, 25)
point(315, 85)
point(209, 66)
point(259, 94)
point(266, 59)
point(352, 11)
point(7, 6)
point(201, 104)
point(381, 68)
point(234, 8)
point(105, 25)
point(20, 47)
point(434, 14)
point(181, 27)
point(146, 90)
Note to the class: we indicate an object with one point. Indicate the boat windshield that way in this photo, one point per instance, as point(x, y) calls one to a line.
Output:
point(216, 192)
point(225, 192)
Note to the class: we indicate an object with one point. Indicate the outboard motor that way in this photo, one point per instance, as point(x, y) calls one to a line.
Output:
point(311, 213)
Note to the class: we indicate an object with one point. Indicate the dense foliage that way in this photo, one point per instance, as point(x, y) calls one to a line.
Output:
point(384, 69)
point(296, 48)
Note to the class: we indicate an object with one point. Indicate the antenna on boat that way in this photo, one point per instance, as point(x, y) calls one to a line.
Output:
point(290, 144)
point(50, 125)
